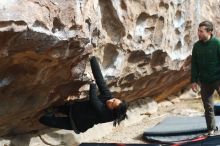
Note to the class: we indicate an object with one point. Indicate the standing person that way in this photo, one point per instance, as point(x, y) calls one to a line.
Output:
point(82, 115)
point(205, 70)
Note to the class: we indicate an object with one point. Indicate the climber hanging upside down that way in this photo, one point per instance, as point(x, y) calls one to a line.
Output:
point(82, 115)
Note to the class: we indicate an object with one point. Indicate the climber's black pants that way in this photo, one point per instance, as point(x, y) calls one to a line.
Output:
point(62, 122)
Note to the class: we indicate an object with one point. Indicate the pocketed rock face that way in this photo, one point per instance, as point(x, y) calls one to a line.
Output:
point(143, 46)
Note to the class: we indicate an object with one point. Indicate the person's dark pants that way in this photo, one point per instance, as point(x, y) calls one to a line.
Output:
point(207, 91)
point(64, 122)
point(56, 122)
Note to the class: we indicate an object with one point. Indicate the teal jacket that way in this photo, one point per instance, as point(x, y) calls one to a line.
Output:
point(206, 61)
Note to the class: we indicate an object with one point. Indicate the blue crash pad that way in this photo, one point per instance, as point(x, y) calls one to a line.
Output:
point(174, 129)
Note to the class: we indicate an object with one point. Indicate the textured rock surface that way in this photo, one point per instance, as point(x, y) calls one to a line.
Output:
point(143, 46)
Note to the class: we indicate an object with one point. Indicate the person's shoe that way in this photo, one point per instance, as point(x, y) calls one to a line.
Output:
point(50, 112)
point(211, 132)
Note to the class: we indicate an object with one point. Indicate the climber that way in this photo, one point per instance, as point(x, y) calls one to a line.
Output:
point(82, 115)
